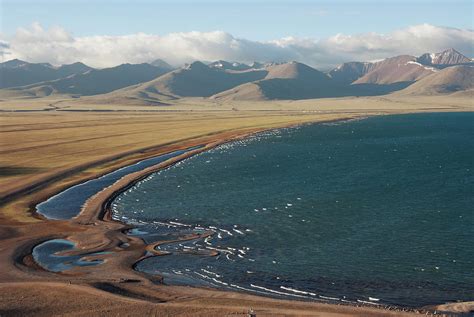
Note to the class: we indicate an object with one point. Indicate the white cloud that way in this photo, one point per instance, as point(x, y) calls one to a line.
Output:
point(57, 46)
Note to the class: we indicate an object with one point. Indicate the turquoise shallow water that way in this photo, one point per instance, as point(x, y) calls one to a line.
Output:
point(48, 255)
point(376, 210)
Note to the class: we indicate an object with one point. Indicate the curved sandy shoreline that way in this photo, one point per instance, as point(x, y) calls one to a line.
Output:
point(94, 230)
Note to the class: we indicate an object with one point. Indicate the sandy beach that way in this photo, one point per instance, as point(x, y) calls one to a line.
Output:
point(92, 140)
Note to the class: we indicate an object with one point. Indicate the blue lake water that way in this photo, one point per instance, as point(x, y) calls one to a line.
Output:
point(48, 255)
point(67, 204)
point(376, 210)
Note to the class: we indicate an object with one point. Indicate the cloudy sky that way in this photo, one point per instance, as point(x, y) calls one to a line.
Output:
point(321, 33)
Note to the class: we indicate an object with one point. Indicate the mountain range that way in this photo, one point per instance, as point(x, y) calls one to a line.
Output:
point(19, 73)
point(447, 72)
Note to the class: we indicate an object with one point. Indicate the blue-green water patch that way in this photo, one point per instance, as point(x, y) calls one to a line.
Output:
point(48, 255)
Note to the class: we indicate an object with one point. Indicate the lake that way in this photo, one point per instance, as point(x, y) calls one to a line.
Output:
point(377, 210)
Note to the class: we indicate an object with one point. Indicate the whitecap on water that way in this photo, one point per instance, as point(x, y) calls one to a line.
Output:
point(297, 291)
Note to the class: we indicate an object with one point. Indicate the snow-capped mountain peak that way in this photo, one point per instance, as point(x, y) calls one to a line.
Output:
point(446, 57)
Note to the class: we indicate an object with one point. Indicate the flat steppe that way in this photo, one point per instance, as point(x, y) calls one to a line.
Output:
point(47, 145)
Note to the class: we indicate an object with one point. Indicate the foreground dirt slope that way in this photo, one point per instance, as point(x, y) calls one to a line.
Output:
point(46, 299)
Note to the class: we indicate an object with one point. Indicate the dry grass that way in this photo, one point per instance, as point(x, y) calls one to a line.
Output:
point(35, 144)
